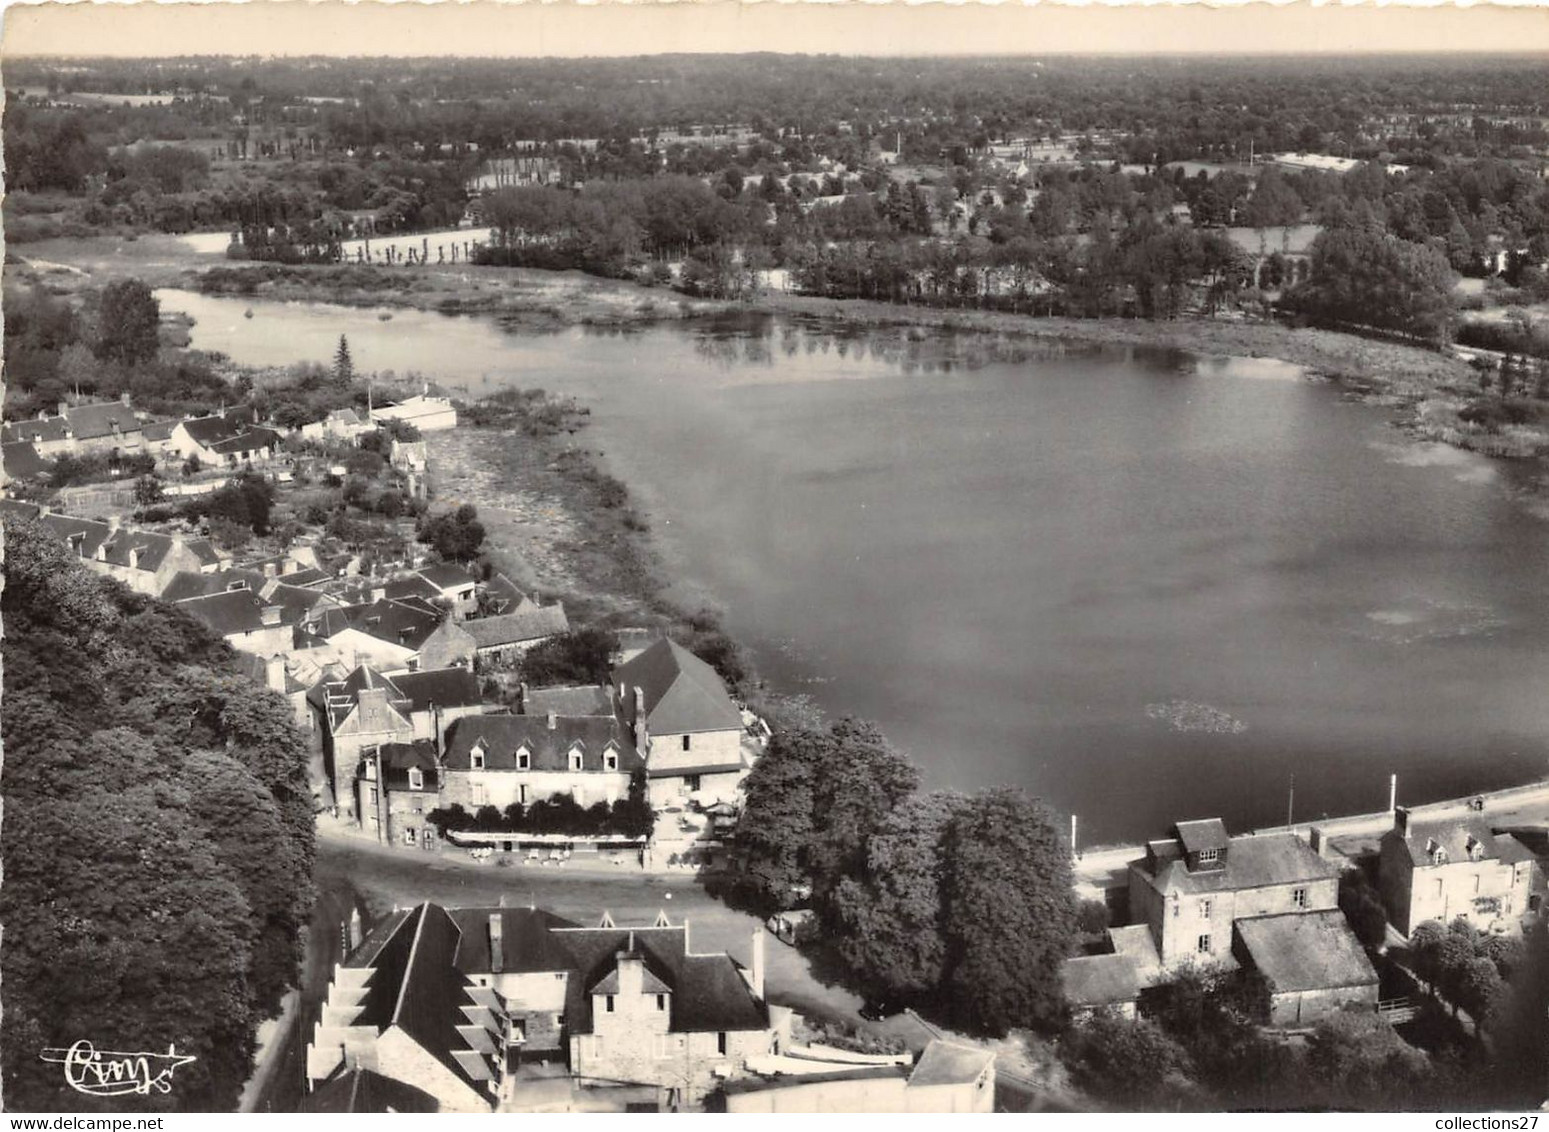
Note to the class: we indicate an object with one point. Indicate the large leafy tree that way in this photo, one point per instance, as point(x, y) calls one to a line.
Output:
point(1366, 277)
point(891, 932)
point(1009, 912)
point(127, 323)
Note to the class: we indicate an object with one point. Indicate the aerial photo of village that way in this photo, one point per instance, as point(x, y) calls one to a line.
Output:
point(583, 561)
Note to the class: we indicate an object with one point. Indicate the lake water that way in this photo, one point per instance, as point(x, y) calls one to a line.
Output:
point(1145, 586)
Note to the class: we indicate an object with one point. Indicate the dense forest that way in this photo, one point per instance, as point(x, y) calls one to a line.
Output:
point(158, 838)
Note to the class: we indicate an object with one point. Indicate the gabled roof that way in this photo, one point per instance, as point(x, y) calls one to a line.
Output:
point(401, 622)
point(650, 982)
point(101, 418)
point(579, 699)
point(1306, 951)
point(503, 735)
point(248, 440)
point(444, 687)
point(1451, 836)
point(149, 548)
point(682, 693)
point(1209, 833)
point(1100, 980)
point(22, 461)
point(503, 594)
point(186, 584)
point(159, 430)
point(361, 1090)
point(415, 986)
point(947, 1063)
point(411, 585)
point(1251, 862)
point(218, 427)
point(235, 611)
point(517, 628)
point(41, 430)
point(446, 576)
point(400, 758)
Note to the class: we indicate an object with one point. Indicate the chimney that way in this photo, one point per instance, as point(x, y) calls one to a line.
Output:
point(631, 971)
point(274, 673)
point(64, 408)
point(553, 721)
point(378, 593)
point(113, 522)
point(1318, 841)
point(123, 398)
point(758, 962)
point(269, 570)
point(272, 614)
point(1401, 821)
point(642, 730)
point(497, 955)
point(522, 692)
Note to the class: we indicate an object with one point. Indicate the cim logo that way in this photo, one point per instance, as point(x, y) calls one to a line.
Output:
point(113, 1073)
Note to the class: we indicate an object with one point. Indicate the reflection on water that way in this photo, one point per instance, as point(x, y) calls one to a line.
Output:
point(1146, 586)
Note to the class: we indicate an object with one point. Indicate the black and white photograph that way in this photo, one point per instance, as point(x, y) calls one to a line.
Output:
point(761, 557)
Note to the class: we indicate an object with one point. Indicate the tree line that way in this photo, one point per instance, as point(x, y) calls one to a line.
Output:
point(960, 904)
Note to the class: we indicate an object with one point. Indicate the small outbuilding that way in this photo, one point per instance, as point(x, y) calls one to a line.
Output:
point(1314, 964)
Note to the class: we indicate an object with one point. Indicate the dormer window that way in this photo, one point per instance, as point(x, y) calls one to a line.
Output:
point(416, 778)
point(611, 760)
point(1475, 849)
point(1435, 852)
point(476, 756)
point(523, 759)
point(1209, 856)
point(575, 758)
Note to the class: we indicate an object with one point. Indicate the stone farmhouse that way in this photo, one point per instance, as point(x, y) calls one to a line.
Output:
point(1443, 870)
point(516, 1009)
point(100, 426)
point(677, 712)
point(229, 439)
point(483, 642)
point(1205, 900)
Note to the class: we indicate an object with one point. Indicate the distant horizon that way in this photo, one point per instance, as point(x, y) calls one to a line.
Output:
point(484, 29)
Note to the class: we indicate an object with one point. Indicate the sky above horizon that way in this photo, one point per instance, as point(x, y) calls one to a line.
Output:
point(861, 27)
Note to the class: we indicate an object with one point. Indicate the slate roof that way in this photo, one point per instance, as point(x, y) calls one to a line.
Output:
point(1451, 835)
point(708, 991)
point(99, 418)
point(362, 1090)
point(1306, 951)
point(682, 693)
point(947, 1063)
point(582, 699)
point(234, 611)
point(517, 628)
point(650, 982)
point(402, 622)
point(527, 943)
point(415, 986)
point(218, 427)
point(157, 431)
point(1251, 862)
point(1207, 834)
point(186, 584)
point(550, 748)
point(248, 440)
point(411, 585)
point(1100, 980)
point(40, 429)
point(22, 461)
point(503, 594)
point(153, 548)
point(444, 687)
point(399, 758)
point(446, 575)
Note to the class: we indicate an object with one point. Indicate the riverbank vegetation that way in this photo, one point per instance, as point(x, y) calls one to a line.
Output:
point(159, 837)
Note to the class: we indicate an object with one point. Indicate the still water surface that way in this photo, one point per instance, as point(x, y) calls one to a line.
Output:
point(1146, 586)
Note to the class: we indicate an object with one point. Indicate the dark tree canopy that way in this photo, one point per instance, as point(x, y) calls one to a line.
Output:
point(455, 535)
point(159, 837)
point(127, 323)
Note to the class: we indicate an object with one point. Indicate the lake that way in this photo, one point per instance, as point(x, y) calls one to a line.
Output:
point(1146, 586)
